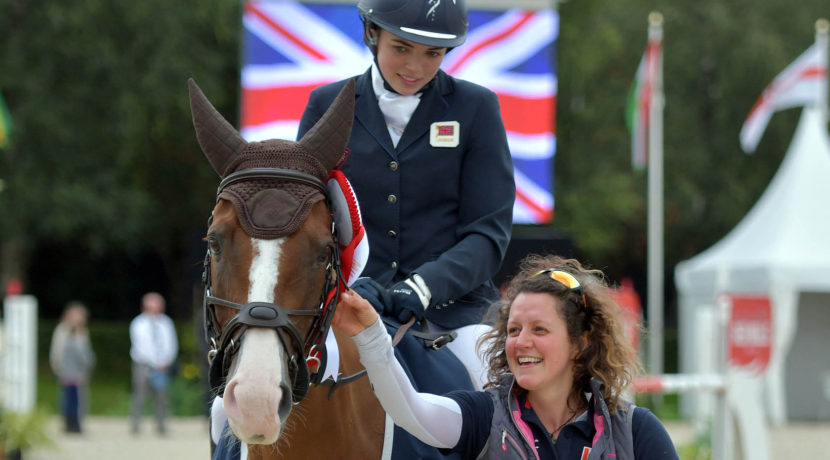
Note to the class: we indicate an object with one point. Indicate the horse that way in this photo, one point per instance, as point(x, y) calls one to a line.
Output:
point(272, 278)
point(283, 217)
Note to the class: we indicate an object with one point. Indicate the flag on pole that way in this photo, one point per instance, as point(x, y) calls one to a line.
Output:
point(641, 98)
point(804, 82)
point(5, 124)
point(645, 116)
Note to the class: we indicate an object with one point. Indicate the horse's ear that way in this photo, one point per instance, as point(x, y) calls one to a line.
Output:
point(219, 140)
point(328, 138)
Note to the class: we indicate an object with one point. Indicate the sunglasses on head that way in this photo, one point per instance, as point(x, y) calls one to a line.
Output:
point(564, 278)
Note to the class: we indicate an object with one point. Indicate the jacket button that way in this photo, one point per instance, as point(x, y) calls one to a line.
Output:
point(391, 234)
point(393, 165)
point(394, 265)
point(392, 199)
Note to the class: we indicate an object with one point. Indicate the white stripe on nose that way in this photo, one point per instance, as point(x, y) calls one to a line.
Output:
point(254, 391)
point(264, 269)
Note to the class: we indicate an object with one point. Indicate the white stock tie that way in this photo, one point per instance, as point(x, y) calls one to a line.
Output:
point(397, 109)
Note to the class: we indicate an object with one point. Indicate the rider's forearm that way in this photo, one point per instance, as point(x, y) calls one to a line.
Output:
point(433, 419)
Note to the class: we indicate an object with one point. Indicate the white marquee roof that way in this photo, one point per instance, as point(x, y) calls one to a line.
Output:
point(787, 232)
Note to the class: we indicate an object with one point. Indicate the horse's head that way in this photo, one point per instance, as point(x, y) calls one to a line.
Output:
point(272, 263)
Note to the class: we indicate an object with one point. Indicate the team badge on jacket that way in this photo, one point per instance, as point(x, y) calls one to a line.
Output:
point(444, 134)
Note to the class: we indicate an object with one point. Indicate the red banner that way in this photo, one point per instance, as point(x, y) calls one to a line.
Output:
point(749, 333)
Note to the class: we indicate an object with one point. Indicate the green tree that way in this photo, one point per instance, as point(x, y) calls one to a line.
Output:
point(103, 156)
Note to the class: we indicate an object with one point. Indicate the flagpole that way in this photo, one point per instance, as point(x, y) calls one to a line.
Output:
point(655, 206)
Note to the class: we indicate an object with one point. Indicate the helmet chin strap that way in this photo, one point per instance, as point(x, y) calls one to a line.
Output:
point(371, 42)
point(389, 87)
point(373, 46)
point(386, 84)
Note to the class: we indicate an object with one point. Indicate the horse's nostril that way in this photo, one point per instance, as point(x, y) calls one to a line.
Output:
point(285, 402)
point(263, 313)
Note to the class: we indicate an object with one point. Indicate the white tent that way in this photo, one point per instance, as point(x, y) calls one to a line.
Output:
point(780, 249)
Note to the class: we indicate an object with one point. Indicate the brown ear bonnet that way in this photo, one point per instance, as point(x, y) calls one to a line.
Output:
point(270, 208)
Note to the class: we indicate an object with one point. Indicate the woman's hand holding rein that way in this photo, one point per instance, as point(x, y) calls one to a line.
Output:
point(354, 313)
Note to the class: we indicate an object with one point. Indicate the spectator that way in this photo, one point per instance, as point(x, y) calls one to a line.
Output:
point(153, 351)
point(72, 360)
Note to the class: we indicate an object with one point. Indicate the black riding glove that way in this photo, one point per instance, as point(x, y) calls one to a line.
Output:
point(410, 297)
point(374, 292)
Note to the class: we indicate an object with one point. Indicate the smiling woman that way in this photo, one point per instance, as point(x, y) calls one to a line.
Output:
point(539, 351)
point(407, 66)
point(558, 364)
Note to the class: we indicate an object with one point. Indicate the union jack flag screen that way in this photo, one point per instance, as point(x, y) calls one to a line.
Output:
point(290, 48)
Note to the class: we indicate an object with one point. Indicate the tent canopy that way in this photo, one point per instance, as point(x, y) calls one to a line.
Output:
point(787, 231)
point(779, 249)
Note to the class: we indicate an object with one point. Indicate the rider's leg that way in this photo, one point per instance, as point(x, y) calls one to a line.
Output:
point(464, 348)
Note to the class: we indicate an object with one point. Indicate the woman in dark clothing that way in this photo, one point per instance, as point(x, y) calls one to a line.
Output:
point(558, 364)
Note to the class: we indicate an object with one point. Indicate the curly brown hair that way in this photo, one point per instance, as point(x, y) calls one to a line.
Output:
point(606, 354)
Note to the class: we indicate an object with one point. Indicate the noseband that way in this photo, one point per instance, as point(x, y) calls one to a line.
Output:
point(225, 342)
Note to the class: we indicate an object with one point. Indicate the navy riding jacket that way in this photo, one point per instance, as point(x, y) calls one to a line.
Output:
point(442, 211)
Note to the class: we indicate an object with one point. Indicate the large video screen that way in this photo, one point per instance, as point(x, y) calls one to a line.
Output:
point(290, 48)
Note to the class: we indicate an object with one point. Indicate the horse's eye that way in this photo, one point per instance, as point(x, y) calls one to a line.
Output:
point(214, 246)
point(325, 255)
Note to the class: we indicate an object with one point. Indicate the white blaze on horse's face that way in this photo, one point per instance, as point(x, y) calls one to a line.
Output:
point(258, 380)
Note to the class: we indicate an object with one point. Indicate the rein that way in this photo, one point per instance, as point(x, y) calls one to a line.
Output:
point(225, 342)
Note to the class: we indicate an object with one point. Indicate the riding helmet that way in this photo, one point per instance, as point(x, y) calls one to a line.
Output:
point(441, 23)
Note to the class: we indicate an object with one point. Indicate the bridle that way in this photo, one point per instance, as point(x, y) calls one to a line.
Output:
point(225, 342)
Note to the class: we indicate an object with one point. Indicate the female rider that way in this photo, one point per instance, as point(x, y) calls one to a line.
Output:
point(431, 169)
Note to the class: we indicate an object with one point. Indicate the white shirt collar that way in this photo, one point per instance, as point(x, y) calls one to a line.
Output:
point(397, 109)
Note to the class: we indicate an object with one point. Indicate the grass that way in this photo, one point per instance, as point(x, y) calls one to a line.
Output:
point(701, 449)
point(23, 431)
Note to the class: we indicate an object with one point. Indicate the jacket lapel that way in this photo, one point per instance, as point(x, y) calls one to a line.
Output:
point(432, 107)
point(368, 113)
